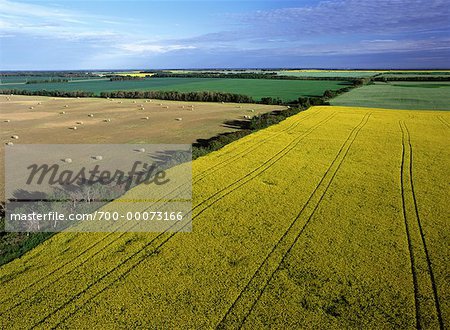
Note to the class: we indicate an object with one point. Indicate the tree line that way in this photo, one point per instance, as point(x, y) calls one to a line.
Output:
point(121, 78)
point(45, 92)
point(412, 78)
point(202, 96)
point(246, 75)
point(47, 81)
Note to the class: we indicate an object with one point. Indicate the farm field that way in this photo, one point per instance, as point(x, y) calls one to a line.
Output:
point(335, 218)
point(287, 90)
point(399, 95)
point(45, 123)
point(328, 73)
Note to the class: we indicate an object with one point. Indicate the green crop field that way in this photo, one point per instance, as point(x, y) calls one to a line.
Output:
point(286, 90)
point(399, 95)
point(336, 218)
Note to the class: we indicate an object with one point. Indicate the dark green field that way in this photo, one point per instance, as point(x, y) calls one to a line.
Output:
point(399, 95)
point(257, 88)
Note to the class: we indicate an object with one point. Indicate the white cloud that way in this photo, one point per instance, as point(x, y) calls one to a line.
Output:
point(142, 48)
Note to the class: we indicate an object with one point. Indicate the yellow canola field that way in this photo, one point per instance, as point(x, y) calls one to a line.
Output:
point(335, 218)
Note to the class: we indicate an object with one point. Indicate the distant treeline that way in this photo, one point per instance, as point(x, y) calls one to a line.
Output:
point(44, 92)
point(411, 78)
point(120, 78)
point(245, 75)
point(68, 74)
point(47, 81)
point(180, 96)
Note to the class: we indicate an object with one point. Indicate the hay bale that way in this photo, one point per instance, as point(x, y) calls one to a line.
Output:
point(120, 102)
point(73, 127)
point(160, 104)
point(68, 160)
point(252, 110)
point(31, 108)
point(98, 157)
point(182, 107)
point(7, 121)
point(79, 123)
point(146, 118)
point(134, 101)
point(140, 150)
point(107, 120)
point(39, 103)
point(9, 143)
point(142, 108)
point(15, 137)
point(62, 113)
point(91, 115)
point(141, 105)
point(66, 106)
point(166, 107)
point(179, 119)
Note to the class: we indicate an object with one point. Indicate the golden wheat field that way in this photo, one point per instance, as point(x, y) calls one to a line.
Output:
point(335, 218)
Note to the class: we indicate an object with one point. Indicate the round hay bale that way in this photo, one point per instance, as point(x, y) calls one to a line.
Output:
point(31, 108)
point(15, 137)
point(107, 120)
point(62, 113)
point(140, 150)
point(39, 103)
point(7, 121)
point(68, 160)
point(9, 143)
point(142, 108)
point(146, 118)
point(120, 102)
point(160, 104)
point(98, 157)
point(179, 119)
point(66, 106)
point(91, 115)
point(79, 123)
point(134, 101)
point(73, 127)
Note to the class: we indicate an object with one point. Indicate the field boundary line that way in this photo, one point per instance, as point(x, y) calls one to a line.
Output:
point(154, 250)
point(245, 302)
point(421, 270)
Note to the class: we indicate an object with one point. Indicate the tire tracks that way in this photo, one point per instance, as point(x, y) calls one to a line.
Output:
point(249, 296)
point(443, 121)
point(163, 237)
point(203, 175)
point(426, 301)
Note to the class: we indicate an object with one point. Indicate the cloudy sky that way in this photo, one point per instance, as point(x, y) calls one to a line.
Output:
point(102, 34)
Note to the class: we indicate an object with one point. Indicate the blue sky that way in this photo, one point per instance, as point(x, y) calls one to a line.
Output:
point(58, 35)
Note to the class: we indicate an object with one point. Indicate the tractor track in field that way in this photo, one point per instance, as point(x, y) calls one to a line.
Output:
point(246, 300)
point(227, 161)
point(165, 236)
point(248, 150)
point(443, 121)
point(426, 300)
